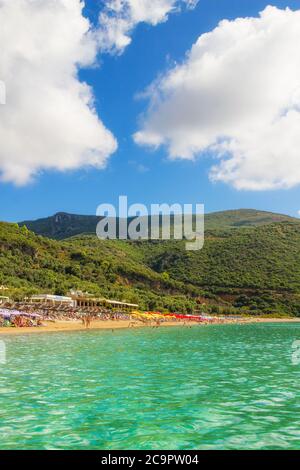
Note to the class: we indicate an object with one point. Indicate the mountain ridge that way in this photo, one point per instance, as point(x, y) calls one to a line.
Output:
point(63, 225)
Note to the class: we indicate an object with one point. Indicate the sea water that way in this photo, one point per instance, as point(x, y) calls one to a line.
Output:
point(206, 387)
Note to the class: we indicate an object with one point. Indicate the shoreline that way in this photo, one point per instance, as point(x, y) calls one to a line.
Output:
point(69, 326)
point(60, 326)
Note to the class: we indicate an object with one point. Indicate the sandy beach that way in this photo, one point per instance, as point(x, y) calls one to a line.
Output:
point(69, 326)
point(65, 326)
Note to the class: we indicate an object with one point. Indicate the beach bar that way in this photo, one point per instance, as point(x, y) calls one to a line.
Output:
point(51, 299)
point(91, 302)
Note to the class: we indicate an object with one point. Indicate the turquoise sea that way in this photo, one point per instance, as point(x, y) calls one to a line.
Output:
point(214, 387)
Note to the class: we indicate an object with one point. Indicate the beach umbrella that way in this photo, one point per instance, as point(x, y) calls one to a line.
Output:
point(29, 315)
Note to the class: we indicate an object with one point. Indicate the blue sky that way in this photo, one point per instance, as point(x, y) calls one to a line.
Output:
point(146, 176)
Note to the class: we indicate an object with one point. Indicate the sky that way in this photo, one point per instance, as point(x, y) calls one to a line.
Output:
point(142, 102)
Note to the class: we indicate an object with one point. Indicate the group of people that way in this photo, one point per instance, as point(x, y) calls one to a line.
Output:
point(29, 314)
point(18, 319)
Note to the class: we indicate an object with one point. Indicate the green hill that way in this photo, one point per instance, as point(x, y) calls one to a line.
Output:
point(254, 269)
point(243, 218)
point(63, 225)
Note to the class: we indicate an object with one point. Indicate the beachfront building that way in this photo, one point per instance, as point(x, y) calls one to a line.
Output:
point(80, 300)
point(86, 300)
point(92, 302)
point(54, 300)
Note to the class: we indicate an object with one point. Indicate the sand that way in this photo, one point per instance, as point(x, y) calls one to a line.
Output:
point(61, 326)
point(65, 326)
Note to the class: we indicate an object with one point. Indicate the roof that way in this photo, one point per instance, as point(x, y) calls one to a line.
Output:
point(97, 299)
point(93, 299)
point(117, 302)
point(56, 298)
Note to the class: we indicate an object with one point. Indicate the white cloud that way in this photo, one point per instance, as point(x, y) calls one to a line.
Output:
point(237, 95)
point(120, 17)
point(49, 120)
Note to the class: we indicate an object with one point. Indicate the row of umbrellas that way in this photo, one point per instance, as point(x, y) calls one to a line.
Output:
point(160, 316)
point(8, 314)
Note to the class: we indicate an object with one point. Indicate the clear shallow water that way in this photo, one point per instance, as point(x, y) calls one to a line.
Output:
point(220, 387)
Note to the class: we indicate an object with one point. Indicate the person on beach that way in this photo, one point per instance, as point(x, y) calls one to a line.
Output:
point(88, 321)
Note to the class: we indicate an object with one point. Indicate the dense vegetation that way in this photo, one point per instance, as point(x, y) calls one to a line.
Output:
point(251, 270)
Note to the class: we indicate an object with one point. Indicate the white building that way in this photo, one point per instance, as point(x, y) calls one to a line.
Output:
point(51, 299)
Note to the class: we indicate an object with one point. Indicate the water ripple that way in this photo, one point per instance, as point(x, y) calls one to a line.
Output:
point(220, 387)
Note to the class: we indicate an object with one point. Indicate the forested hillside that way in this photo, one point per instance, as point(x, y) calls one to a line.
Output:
point(254, 270)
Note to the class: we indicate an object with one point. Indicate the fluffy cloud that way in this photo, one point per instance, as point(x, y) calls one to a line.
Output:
point(236, 96)
point(120, 17)
point(49, 120)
